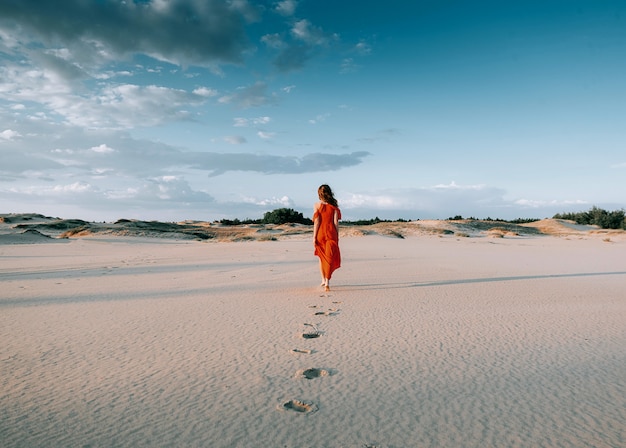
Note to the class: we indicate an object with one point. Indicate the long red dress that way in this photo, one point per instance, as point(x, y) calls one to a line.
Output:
point(327, 239)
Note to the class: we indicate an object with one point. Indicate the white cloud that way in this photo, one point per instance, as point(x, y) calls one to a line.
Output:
point(532, 203)
point(319, 118)
point(273, 41)
point(286, 7)
point(102, 149)
point(55, 190)
point(109, 106)
point(283, 201)
point(309, 34)
point(363, 48)
point(9, 135)
point(249, 96)
point(201, 33)
point(348, 66)
point(234, 139)
point(435, 200)
point(206, 92)
point(453, 186)
point(266, 135)
point(261, 120)
point(245, 122)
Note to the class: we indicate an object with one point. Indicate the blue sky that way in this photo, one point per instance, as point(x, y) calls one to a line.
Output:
point(206, 109)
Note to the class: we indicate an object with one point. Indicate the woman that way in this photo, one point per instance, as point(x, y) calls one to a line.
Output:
point(326, 216)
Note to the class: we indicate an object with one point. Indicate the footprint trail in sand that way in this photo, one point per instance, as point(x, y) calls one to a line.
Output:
point(311, 331)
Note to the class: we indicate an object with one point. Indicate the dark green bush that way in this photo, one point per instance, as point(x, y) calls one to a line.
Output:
point(597, 216)
point(284, 216)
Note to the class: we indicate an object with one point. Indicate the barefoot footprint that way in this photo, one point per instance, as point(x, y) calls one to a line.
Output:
point(301, 407)
point(301, 351)
point(311, 334)
point(329, 312)
point(313, 373)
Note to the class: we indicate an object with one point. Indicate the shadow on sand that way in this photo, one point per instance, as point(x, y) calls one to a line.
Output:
point(375, 286)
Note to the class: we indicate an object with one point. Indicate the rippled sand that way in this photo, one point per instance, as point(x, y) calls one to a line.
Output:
point(430, 340)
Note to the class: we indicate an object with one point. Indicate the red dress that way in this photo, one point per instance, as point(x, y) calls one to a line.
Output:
point(327, 239)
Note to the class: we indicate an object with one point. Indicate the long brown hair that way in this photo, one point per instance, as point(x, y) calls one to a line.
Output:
point(326, 195)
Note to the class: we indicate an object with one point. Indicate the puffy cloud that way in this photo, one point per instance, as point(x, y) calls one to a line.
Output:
point(9, 134)
point(109, 106)
point(306, 32)
point(266, 135)
point(170, 189)
point(102, 149)
point(273, 41)
point(218, 163)
point(534, 203)
point(245, 122)
point(286, 7)
point(363, 48)
point(180, 31)
point(283, 201)
point(261, 120)
point(80, 153)
point(56, 190)
point(205, 92)
point(249, 96)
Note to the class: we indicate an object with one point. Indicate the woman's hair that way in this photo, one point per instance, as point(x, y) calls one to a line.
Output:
point(326, 195)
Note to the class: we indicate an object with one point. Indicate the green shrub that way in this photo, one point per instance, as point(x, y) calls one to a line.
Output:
point(597, 216)
point(284, 216)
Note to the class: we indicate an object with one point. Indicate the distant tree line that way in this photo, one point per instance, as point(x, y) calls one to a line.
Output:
point(370, 222)
point(277, 216)
point(511, 221)
point(289, 215)
point(597, 216)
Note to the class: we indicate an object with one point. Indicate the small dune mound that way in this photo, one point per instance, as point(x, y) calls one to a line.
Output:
point(35, 234)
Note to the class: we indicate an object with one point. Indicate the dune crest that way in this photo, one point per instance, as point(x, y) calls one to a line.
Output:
point(215, 232)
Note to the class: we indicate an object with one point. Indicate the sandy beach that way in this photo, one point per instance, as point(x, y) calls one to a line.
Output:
point(429, 337)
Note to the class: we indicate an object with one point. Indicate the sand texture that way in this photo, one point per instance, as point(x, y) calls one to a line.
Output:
point(433, 335)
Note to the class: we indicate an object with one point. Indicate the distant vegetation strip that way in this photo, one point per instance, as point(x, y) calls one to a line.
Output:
point(596, 216)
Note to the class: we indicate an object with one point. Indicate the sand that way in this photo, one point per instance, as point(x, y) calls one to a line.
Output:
point(429, 340)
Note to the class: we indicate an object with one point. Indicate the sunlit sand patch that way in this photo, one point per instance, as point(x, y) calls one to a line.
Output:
point(301, 407)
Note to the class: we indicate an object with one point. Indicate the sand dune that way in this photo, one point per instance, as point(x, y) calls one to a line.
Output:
point(25, 227)
point(433, 334)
